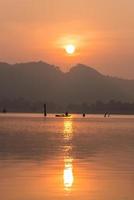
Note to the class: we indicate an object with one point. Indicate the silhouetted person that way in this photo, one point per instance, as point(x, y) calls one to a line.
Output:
point(66, 114)
point(4, 110)
point(84, 115)
point(105, 115)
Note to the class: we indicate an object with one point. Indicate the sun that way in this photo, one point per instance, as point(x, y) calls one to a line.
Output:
point(70, 49)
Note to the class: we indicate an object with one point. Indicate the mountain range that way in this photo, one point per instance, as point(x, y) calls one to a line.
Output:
point(39, 81)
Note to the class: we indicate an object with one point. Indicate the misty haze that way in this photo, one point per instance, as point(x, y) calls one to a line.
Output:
point(66, 100)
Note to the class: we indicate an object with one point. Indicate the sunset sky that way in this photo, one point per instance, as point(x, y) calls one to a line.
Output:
point(101, 30)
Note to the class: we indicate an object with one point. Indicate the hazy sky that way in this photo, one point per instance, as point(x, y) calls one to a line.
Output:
point(102, 30)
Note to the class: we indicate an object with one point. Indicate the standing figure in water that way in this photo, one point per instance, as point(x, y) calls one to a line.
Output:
point(4, 110)
point(107, 114)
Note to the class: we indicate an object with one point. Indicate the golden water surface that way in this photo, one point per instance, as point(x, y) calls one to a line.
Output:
point(79, 158)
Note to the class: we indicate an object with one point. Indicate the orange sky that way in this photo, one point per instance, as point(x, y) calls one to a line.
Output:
point(102, 30)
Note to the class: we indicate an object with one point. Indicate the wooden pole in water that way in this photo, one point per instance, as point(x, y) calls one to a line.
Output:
point(45, 110)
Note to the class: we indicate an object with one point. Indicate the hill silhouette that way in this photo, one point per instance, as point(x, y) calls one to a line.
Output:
point(39, 81)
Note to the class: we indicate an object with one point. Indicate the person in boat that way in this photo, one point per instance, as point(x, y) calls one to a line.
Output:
point(66, 114)
point(63, 115)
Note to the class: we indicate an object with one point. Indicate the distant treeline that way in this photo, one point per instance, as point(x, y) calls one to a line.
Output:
point(113, 107)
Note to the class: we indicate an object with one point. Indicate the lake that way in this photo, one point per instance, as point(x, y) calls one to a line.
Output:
point(73, 158)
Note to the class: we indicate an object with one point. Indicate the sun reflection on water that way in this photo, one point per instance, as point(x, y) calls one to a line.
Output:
point(68, 173)
point(68, 176)
point(68, 130)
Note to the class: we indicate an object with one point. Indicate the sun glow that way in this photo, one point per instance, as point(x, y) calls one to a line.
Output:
point(70, 49)
point(68, 174)
point(68, 130)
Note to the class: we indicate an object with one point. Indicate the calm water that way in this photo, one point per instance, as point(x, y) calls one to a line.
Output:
point(79, 158)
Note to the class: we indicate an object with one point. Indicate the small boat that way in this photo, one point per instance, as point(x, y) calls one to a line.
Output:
point(62, 115)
